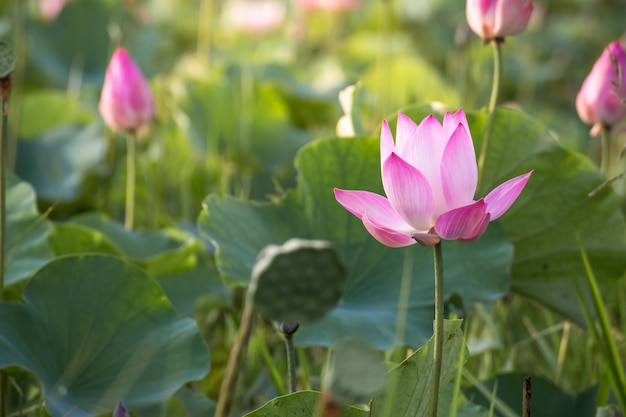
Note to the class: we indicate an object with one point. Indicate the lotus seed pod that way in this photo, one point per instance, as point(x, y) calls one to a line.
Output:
point(288, 328)
point(356, 372)
point(7, 60)
point(299, 281)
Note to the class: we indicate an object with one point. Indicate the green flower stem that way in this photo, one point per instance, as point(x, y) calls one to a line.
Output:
point(17, 98)
point(493, 101)
point(129, 215)
point(605, 145)
point(233, 367)
point(438, 349)
point(5, 91)
point(616, 369)
point(291, 363)
point(205, 31)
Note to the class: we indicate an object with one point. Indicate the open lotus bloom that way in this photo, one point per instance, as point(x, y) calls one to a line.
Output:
point(491, 19)
point(126, 102)
point(602, 97)
point(430, 176)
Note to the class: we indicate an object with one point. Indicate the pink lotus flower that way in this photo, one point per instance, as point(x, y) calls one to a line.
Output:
point(327, 5)
point(492, 19)
point(50, 9)
point(430, 177)
point(601, 99)
point(126, 102)
point(254, 17)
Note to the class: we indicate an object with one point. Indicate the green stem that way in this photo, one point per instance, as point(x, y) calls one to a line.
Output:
point(233, 367)
point(5, 91)
point(205, 31)
point(291, 363)
point(129, 215)
point(17, 98)
point(616, 369)
point(605, 145)
point(493, 101)
point(438, 348)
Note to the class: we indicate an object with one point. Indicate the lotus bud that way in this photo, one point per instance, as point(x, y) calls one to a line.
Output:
point(495, 19)
point(126, 102)
point(601, 100)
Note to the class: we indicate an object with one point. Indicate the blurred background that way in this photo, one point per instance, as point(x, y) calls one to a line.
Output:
point(239, 90)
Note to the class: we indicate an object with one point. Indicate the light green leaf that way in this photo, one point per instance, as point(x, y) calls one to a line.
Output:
point(70, 238)
point(46, 109)
point(158, 252)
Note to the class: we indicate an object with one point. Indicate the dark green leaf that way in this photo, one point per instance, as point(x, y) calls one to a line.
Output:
point(96, 330)
point(547, 399)
point(27, 232)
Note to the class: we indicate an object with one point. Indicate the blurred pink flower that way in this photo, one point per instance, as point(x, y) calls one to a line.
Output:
point(254, 17)
point(50, 9)
point(492, 19)
point(126, 102)
point(430, 177)
point(328, 5)
point(601, 99)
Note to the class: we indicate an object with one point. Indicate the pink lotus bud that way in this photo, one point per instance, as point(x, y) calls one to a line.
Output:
point(493, 19)
point(602, 97)
point(126, 102)
point(327, 5)
point(50, 9)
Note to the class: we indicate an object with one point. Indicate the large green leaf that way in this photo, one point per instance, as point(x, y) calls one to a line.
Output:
point(95, 330)
point(71, 238)
point(184, 289)
point(158, 252)
point(57, 161)
point(178, 260)
point(409, 383)
point(61, 109)
point(554, 207)
point(478, 270)
point(26, 247)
